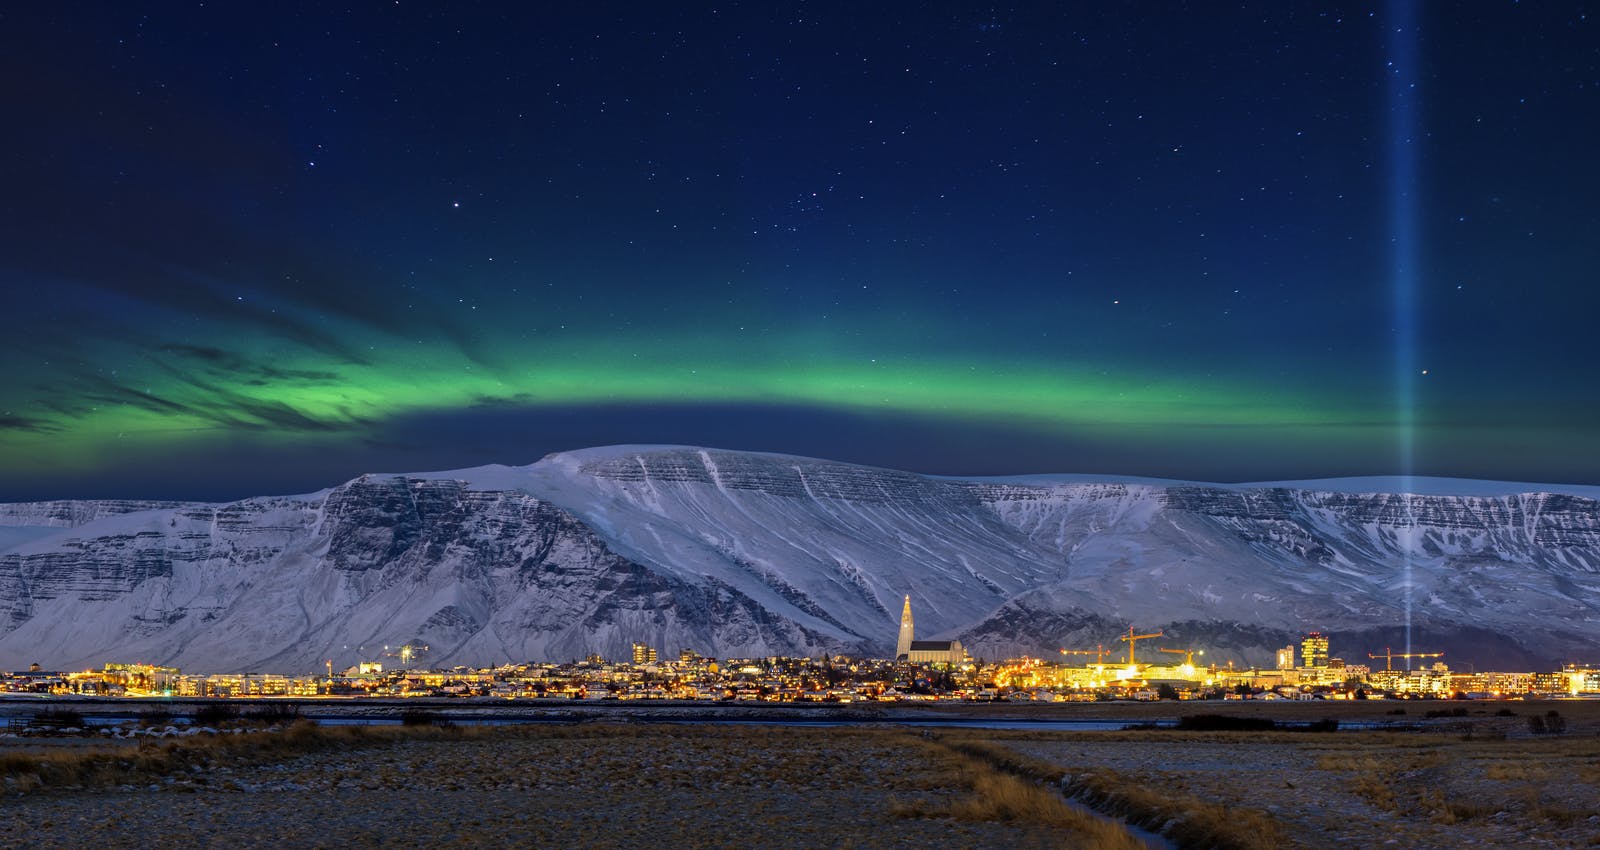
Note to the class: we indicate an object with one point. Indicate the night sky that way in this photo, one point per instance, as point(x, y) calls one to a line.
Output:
point(246, 249)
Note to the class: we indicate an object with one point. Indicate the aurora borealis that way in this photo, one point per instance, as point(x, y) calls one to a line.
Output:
point(252, 250)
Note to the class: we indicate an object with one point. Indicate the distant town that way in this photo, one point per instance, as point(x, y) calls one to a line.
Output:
point(931, 671)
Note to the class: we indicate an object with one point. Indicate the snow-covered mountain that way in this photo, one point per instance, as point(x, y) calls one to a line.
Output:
point(741, 554)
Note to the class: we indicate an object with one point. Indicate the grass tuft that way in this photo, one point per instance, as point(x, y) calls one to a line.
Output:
point(1188, 821)
point(1007, 787)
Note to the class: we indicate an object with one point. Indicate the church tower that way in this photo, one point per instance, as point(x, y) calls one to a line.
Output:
point(903, 648)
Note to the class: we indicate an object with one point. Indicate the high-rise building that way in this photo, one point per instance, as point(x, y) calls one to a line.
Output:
point(1286, 658)
point(907, 631)
point(1314, 650)
point(644, 654)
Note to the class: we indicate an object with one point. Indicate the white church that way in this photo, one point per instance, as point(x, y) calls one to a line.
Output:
point(925, 651)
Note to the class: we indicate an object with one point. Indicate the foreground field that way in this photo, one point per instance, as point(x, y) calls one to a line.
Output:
point(586, 786)
point(1482, 780)
point(1347, 790)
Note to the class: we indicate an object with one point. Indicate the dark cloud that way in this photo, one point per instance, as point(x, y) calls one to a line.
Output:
point(251, 372)
point(207, 354)
point(12, 422)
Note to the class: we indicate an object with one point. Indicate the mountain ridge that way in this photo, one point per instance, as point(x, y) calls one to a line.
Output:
point(745, 553)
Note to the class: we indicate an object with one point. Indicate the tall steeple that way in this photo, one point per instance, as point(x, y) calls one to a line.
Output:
point(903, 648)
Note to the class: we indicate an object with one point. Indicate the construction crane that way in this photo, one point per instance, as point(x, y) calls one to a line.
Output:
point(1188, 655)
point(1099, 652)
point(1132, 639)
point(1389, 655)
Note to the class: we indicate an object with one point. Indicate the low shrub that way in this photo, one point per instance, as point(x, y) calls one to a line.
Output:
point(215, 714)
point(273, 712)
point(57, 718)
point(1224, 723)
point(155, 717)
point(1552, 723)
point(423, 717)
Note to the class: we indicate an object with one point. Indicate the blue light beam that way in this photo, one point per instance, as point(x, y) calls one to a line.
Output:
point(1403, 94)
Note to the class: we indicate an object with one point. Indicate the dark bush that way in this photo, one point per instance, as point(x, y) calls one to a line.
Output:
point(1554, 723)
point(1326, 724)
point(1224, 723)
point(1447, 712)
point(215, 714)
point(57, 718)
point(423, 717)
point(1505, 712)
point(273, 712)
point(155, 716)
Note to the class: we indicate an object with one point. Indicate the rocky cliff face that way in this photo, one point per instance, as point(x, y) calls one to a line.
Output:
point(1503, 579)
point(477, 576)
point(736, 554)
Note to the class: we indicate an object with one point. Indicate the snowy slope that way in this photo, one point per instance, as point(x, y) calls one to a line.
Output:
point(738, 553)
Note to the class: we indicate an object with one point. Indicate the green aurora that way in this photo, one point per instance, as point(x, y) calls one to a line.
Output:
point(249, 254)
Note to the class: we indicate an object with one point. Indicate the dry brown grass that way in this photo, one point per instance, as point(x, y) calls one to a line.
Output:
point(1005, 787)
point(1377, 788)
point(1343, 762)
point(89, 767)
point(1535, 801)
point(1516, 771)
point(1450, 810)
point(1414, 782)
point(1377, 765)
point(1187, 821)
point(1427, 787)
point(629, 785)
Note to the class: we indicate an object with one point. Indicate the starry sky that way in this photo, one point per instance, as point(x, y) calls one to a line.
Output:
point(254, 249)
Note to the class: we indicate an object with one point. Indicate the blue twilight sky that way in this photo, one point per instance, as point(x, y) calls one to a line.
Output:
point(251, 249)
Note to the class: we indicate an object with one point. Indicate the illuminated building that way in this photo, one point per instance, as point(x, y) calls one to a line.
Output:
point(936, 652)
point(644, 654)
point(1286, 658)
point(1314, 650)
point(1582, 679)
point(907, 632)
point(1501, 684)
point(142, 678)
point(1552, 683)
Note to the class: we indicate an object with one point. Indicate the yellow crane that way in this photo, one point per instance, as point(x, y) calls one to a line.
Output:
point(1389, 655)
point(1188, 654)
point(1132, 639)
point(1099, 652)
